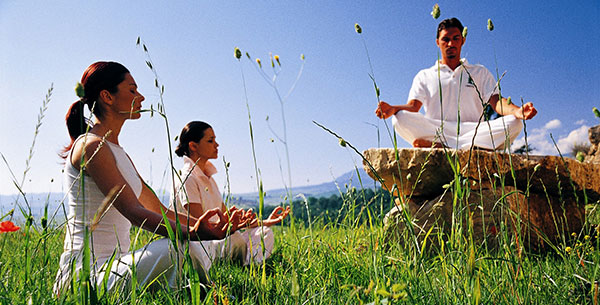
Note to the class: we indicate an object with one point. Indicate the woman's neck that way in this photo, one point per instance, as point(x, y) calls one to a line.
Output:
point(108, 128)
point(200, 162)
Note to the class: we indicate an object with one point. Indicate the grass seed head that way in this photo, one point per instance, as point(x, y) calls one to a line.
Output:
point(580, 156)
point(342, 142)
point(357, 28)
point(490, 25)
point(258, 62)
point(464, 33)
point(596, 112)
point(435, 12)
point(81, 92)
point(237, 53)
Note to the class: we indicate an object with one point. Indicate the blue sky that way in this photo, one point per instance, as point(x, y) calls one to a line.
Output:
point(547, 48)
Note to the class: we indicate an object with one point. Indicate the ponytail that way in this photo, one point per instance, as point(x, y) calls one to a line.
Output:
point(77, 124)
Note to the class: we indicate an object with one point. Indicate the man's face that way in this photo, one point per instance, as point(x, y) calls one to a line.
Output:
point(450, 42)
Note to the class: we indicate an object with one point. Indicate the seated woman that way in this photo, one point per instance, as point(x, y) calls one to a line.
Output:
point(199, 193)
point(106, 194)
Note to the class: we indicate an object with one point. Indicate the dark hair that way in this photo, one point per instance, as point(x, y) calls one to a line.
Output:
point(193, 131)
point(449, 23)
point(102, 75)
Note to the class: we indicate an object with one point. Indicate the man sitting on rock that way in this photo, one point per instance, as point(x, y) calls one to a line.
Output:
point(453, 117)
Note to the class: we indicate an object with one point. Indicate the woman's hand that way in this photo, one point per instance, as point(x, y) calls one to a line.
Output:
point(276, 216)
point(205, 229)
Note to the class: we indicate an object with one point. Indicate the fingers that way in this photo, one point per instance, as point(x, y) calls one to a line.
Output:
point(380, 111)
point(216, 211)
point(528, 111)
point(206, 230)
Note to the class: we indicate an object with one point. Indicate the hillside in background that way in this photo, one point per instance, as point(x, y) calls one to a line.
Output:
point(37, 201)
point(340, 184)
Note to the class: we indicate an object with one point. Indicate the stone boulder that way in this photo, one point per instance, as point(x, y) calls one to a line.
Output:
point(593, 154)
point(540, 197)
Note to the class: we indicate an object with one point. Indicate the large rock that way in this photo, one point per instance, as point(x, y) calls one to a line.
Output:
point(540, 198)
point(594, 152)
point(433, 168)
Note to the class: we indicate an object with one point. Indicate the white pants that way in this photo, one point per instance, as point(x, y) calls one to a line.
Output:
point(495, 135)
point(157, 261)
point(241, 246)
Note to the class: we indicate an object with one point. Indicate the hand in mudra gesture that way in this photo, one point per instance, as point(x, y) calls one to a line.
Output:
point(207, 229)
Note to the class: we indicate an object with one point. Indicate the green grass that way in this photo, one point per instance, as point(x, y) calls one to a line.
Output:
point(340, 265)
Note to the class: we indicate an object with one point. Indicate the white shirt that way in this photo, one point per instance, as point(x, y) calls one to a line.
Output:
point(459, 93)
point(198, 186)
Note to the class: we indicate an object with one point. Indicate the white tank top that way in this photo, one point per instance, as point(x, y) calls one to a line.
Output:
point(112, 231)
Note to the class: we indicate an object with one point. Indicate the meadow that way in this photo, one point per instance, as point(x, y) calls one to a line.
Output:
point(339, 257)
point(328, 263)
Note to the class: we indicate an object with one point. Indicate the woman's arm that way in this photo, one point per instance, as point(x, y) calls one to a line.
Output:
point(100, 165)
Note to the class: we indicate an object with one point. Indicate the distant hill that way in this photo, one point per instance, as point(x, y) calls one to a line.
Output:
point(340, 184)
point(350, 179)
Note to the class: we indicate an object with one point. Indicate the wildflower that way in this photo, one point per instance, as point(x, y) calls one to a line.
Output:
point(302, 56)
point(277, 59)
point(568, 250)
point(464, 33)
point(490, 25)
point(509, 100)
point(587, 237)
point(493, 230)
point(596, 112)
point(342, 142)
point(574, 234)
point(357, 28)
point(79, 90)
point(435, 13)
point(237, 53)
point(8, 226)
point(258, 62)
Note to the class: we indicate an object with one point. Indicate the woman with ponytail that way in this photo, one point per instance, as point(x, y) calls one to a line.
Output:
point(106, 195)
point(198, 193)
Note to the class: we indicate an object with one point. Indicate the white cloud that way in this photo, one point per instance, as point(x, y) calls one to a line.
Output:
point(580, 122)
point(553, 124)
point(540, 139)
point(577, 136)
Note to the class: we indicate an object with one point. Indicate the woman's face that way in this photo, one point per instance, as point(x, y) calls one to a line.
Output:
point(127, 100)
point(207, 147)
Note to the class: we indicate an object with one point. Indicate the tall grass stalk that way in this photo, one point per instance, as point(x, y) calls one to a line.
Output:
point(272, 82)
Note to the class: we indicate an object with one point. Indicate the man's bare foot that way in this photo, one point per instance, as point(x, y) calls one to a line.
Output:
point(422, 143)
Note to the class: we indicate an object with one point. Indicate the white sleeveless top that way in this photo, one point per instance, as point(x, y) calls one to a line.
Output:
point(112, 231)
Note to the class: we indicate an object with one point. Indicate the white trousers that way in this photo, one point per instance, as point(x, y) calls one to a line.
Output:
point(157, 261)
point(493, 134)
point(244, 247)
